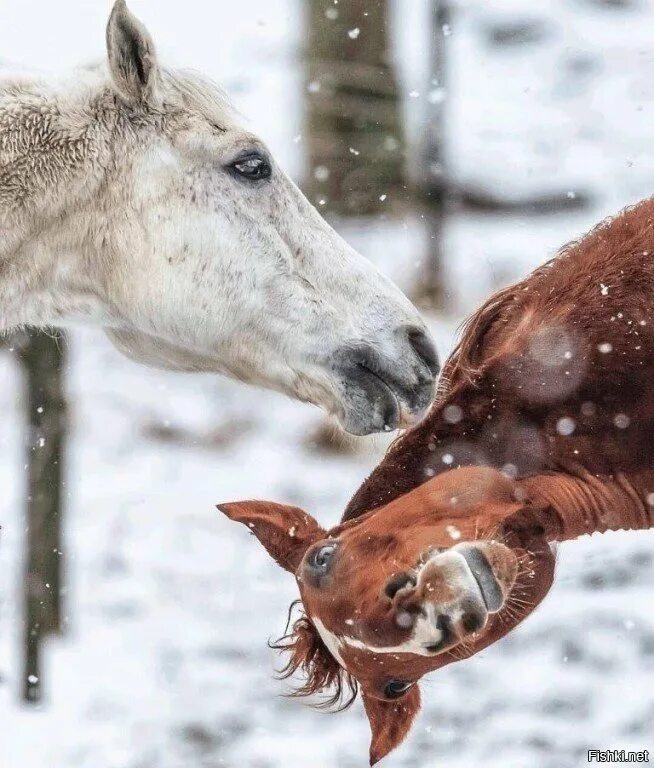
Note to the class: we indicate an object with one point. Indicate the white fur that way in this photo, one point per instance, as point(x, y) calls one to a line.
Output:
point(425, 632)
point(121, 213)
point(332, 641)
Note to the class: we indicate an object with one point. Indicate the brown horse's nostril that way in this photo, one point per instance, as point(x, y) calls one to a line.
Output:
point(424, 347)
point(472, 622)
point(398, 582)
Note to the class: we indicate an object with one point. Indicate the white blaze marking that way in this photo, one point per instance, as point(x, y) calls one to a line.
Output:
point(425, 633)
point(332, 641)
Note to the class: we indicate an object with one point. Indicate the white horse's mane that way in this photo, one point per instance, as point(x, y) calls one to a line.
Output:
point(185, 88)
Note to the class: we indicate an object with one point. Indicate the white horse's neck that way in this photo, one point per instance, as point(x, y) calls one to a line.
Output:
point(42, 284)
point(50, 149)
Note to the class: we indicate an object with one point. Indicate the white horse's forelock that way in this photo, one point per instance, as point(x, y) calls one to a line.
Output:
point(193, 90)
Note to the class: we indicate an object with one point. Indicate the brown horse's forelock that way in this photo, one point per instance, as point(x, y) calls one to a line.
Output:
point(310, 656)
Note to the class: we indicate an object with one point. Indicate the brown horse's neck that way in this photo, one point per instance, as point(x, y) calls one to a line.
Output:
point(586, 504)
point(552, 372)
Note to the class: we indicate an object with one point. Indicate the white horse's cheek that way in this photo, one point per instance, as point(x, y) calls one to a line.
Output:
point(295, 292)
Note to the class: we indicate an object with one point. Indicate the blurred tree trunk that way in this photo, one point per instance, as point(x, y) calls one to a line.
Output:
point(433, 178)
point(354, 125)
point(355, 136)
point(43, 357)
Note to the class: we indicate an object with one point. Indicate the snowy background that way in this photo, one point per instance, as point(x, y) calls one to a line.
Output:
point(164, 663)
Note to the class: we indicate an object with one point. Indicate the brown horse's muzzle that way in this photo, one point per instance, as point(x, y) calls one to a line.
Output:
point(452, 594)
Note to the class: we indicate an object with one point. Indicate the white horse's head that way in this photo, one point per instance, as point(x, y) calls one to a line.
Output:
point(210, 259)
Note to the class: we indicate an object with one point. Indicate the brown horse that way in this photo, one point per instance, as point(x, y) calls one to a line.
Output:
point(541, 431)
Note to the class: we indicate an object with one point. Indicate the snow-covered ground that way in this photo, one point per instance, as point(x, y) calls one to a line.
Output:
point(169, 606)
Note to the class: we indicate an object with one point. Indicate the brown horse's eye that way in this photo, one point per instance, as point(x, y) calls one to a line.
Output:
point(322, 557)
point(396, 688)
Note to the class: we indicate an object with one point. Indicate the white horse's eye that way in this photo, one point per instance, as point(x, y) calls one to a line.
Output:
point(253, 167)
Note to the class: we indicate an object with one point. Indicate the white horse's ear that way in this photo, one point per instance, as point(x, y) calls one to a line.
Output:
point(132, 57)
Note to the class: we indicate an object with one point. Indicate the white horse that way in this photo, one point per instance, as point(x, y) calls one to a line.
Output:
point(131, 199)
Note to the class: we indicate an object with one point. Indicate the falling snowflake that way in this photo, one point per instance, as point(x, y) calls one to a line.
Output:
point(604, 289)
point(391, 144)
point(565, 426)
point(436, 96)
point(588, 408)
point(453, 532)
point(354, 33)
point(621, 420)
point(404, 619)
point(452, 414)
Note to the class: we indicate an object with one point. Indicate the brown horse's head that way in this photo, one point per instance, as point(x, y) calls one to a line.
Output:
point(428, 579)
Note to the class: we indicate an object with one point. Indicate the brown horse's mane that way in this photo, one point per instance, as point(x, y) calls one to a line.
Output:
point(465, 363)
point(309, 655)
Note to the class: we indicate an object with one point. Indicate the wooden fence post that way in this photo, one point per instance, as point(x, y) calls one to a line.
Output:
point(433, 177)
point(42, 357)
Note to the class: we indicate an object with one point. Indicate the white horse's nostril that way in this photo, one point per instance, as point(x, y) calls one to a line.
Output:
point(425, 349)
point(384, 390)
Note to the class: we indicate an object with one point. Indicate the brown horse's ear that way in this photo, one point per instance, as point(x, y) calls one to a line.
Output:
point(390, 721)
point(286, 532)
